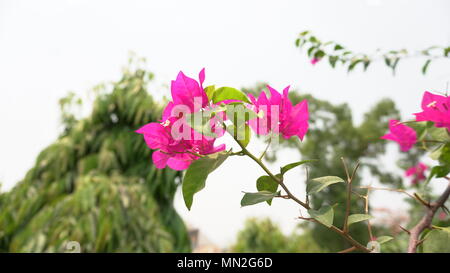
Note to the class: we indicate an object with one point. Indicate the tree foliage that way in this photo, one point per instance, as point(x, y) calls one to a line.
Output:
point(264, 236)
point(96, 184)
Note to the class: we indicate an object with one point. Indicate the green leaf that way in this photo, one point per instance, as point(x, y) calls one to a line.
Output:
point(437, 241)
point(251, 198)
point(241, 133)
point(313, 39)
point(324, 215)
point(200, 122)
point(353, 64)
point(304, 33)
point(338, 47)
point(266, 183)
point(425, 66)
point(320, 183)
point(394, 64)
point(209, 90)
point(366, 64)
point(355, 218)
point(438, 134)
point(446, 51)
point(229, 93)
point(437, 152)
point(439, 171)
point(295, 164)
point(387, 61)
point(319, 54)
point(311, 51)
point(195, 177)
point(384, 239)
point(238, 114)
point(333, 59)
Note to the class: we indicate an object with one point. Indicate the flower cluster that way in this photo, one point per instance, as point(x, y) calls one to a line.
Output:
point(177, 144)
point(404, 135)
point(417, 173)
point(435, 109)
point(280, 116)
point(174, 149)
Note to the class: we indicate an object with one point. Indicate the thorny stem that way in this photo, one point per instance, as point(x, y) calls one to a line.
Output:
point(348, 250)
point(413, 196)
point(366, 210)
point(344, 235)
point(425, 222)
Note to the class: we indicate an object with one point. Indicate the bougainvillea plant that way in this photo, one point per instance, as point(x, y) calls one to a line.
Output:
point(337, 54)
point(197, 116)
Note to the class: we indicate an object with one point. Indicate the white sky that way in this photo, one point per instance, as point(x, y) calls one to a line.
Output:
point(50, 47)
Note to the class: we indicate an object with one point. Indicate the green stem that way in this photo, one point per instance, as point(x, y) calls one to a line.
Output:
point(343, 234)
point(276, 179)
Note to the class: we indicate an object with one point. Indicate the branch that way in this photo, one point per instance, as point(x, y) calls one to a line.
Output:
point(348, 250)
point(343, 234)
point(339, 54)
point(276, 179)
point(349, 193)
point(413, 196)
point(425, 222)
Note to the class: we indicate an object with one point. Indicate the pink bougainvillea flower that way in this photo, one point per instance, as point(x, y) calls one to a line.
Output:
point(314, 61)
point(187, 91)
point(171, 150)
point(279, 115)
point(178, 154)
point(435, 108)
point(417, 172)
point(404, 135)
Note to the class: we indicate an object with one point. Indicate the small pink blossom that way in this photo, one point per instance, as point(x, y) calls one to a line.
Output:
point(442, 216)
point(404, 135)
point(279, 115)
point(417, 172)
point(314, 61)
point(435, 108)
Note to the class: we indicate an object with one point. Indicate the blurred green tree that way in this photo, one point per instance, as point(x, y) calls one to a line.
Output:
point(96, 184)
point(264, 236)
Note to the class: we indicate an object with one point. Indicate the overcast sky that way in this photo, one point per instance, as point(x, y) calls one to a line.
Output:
point(48, 48)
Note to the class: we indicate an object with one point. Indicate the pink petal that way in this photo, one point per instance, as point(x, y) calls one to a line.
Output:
point(179, 163)
point(155, 135)
point(201, 76)
point(160, 159)
point(275, 96)
point(167, 111)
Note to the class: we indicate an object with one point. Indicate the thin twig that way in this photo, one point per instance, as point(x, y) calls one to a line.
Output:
point(348, 250)
point(366, 209)
point(276, 179)
point(349, 193)
point(423, 202)
point(404, 229)
point(265, 150)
